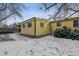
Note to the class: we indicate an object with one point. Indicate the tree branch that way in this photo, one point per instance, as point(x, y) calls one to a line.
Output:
point(6, 17)
point(70, 15)
point(73, 10)
point(59, 10)
point(5, 7)
point(50, 6)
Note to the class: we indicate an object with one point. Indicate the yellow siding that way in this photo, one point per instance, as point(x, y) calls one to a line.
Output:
point(42, 30)
point(53, 26)
point(26, 30)
point(67, 23)
point(39, 31)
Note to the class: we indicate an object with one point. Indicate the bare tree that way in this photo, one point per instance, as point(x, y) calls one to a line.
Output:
point(9, 9)
point(63, 10)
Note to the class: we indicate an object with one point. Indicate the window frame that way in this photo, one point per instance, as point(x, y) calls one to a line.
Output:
point(58, 23)
point(24, 26)
point(41, 24)
point(29, 25)
point(76, 23)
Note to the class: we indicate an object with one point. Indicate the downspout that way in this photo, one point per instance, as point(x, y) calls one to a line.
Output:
point(50, 28)
point(34, 27)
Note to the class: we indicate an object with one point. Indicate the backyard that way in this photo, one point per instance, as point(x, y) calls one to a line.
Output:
point(44, 46)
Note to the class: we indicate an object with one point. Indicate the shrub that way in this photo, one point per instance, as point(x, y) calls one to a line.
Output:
point(62, 33)
point(3, 31)
point(57, 33)
point(64, 27)
point(66, 33)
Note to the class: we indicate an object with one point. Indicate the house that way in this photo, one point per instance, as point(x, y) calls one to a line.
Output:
point(72, 23)
point(35, 27)
point(4, 28)
point(17, 27)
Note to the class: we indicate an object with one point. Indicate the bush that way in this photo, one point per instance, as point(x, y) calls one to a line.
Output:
point(66, 33)
point(76, 36)
point(64, 27)
point(62, 33)
point(3, 31)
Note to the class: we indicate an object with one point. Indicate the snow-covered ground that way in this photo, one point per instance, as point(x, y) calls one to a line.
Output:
point(45, 46)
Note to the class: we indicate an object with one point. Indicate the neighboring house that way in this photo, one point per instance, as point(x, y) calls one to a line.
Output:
point(18, 27)
point(72, 23)
point(35, 27)
point(3, 28)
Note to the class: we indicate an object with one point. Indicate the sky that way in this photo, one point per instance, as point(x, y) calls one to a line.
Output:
point(31, 10)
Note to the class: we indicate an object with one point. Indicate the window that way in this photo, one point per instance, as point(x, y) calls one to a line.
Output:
point(29, 25)
point(23, 25)
point(19, 25)
point(76, 23)
point(58, 23)
point(41, 24)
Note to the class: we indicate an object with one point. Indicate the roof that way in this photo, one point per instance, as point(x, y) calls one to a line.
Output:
point(33, 18)
point(65, 19)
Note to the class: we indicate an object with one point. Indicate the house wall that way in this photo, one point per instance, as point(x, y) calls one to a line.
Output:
point(36, 30)
point(26, 30)
point(42, 30)
point(67, 23)
point(70, 24)
point(53, 26)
